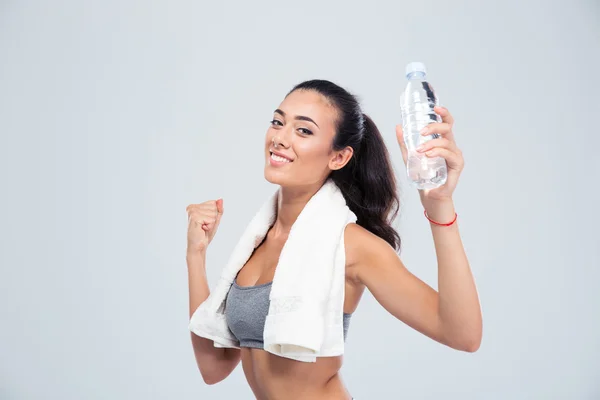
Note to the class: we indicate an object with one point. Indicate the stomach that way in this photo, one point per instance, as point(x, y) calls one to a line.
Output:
point(273, 378)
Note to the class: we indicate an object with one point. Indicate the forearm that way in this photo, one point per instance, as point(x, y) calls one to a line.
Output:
point(214, 363)
point(197, 282)
point(459, 309)
point(198, 292)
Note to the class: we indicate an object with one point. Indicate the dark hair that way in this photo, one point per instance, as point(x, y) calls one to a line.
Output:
point(367, 181)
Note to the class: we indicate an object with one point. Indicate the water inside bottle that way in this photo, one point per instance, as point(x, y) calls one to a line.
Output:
point(425, 172)
point(418, 101)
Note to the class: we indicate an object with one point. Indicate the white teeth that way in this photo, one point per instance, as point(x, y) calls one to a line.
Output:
point(278, 158)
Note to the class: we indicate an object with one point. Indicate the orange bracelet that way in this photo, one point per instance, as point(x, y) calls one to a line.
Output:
point(440, 224)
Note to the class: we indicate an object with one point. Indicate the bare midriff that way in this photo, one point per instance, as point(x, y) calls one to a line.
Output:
point(276, 378)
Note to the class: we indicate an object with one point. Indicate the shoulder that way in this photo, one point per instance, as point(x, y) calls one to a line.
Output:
point(363, 248)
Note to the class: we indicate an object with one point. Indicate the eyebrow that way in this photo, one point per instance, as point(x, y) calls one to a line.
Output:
point(299, 117)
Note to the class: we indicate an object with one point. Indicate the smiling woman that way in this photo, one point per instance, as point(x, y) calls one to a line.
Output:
point(320, 139)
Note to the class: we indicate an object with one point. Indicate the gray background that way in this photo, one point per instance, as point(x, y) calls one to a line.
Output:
point(115, 115)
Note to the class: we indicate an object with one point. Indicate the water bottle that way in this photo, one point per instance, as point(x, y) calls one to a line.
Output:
point(417, 102)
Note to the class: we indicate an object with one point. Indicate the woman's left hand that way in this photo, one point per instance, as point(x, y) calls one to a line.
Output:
point(444, 147)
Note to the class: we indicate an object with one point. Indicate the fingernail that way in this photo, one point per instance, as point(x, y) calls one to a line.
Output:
point(424, 131)
point(420, 148)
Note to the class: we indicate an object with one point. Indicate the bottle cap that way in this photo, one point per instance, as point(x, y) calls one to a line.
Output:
point(416, 67)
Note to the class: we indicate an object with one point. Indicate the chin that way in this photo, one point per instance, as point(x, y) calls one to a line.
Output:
point(274, 177)
point(277, 175)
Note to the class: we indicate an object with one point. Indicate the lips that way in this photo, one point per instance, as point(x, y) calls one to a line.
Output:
point(279, 160)
point(280, 157)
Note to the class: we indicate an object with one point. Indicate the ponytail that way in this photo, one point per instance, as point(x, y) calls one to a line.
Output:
point(369, 185)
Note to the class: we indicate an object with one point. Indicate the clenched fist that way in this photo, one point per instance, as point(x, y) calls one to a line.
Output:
point(203, 221)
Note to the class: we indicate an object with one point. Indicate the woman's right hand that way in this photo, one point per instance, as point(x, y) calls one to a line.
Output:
point(203, 222)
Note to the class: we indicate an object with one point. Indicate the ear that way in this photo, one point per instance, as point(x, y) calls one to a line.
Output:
point(341, 158)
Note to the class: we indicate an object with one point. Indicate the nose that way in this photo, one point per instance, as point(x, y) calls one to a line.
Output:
point(280, 140)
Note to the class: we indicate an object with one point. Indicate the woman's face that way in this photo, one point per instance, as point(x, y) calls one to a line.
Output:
point(298, 144)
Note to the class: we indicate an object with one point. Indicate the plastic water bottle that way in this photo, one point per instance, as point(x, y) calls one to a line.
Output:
point(417, 102)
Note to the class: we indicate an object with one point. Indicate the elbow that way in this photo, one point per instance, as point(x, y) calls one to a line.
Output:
point(210, 374)
point(210, 380)
point(466, 344)
point(210, 377)
point(467, 340)
point(470, 342)
point(472, 345)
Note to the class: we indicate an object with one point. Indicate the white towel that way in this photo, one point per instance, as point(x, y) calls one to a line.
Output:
point(305, 318)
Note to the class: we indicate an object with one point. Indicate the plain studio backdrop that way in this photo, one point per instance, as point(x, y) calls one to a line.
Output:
point(115, 115)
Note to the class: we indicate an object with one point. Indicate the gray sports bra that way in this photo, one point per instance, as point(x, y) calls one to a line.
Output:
point(246, 310)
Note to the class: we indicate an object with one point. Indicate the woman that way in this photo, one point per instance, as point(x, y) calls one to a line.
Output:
point(319, 132)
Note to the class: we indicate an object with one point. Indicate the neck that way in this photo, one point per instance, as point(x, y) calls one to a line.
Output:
point(290, 203)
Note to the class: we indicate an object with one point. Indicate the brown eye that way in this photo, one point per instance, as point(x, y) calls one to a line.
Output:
point(305, 131)
point(275, 122)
